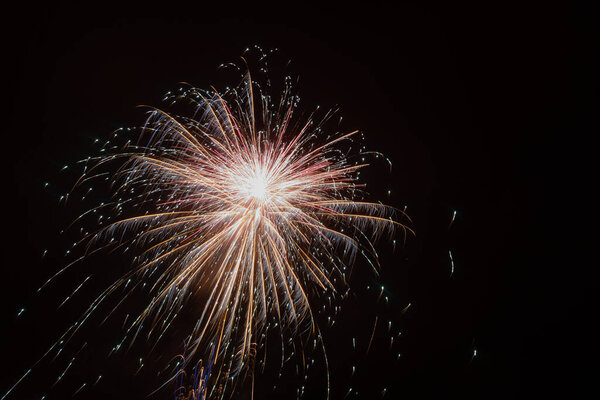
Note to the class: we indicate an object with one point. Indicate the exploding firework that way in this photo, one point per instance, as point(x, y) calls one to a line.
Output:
point(241, 203)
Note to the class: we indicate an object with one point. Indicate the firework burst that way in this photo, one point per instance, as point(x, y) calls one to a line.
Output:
point(243, 204)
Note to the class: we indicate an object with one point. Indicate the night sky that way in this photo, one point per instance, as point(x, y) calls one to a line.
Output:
point(483, 109)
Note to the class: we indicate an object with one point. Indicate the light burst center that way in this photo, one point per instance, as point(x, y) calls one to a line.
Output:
point(256, 186)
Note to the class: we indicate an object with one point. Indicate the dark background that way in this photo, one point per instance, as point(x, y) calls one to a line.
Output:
point(484, 109)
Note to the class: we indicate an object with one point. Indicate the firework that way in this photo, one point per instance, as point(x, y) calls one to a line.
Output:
point(243, 204)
